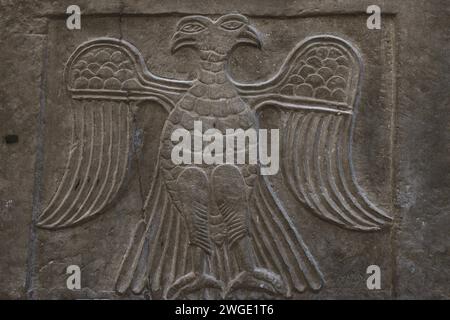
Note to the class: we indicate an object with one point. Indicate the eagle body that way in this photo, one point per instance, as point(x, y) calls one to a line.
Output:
point(213, 101)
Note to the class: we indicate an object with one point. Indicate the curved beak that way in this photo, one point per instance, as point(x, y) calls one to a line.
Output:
point(180, 40)
point(250, 36)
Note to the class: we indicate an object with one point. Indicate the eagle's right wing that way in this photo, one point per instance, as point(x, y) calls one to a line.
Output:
point(104, 78)
point(316, 92)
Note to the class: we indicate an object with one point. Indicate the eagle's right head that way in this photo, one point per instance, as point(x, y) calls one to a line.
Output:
point(221, 35)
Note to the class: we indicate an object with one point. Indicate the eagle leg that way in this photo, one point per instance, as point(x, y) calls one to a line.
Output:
point(194, 195)
point(229, 191)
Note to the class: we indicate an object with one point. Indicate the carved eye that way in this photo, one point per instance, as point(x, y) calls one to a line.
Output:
point(192, 27)
point(232, 25)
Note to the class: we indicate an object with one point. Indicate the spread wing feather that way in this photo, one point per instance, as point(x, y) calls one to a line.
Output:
point(318, 88)
point(278, 245)
point(104, 78)
point(158, 252)
point(96, 165)
point(318, 170)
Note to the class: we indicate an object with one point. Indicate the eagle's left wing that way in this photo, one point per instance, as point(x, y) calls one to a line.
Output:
point(105, 79)
point(319, 85)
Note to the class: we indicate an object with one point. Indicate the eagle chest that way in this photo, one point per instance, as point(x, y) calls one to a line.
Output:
point(227, 112)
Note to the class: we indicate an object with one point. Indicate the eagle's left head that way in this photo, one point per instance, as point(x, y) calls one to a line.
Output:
point(221, 35)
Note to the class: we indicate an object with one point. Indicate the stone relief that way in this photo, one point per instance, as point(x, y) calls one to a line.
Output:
point(208, 230)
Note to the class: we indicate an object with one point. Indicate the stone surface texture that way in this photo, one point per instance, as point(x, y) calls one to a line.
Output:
point(400, 150)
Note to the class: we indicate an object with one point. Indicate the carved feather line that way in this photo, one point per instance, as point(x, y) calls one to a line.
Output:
point(277, 263)
point(318, 155)
point(96, 167)
point(99, 166)
point(296, 249)
point(298, 266)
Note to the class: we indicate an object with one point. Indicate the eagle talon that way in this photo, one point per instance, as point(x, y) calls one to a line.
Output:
point(191, 282)
point(257, 279)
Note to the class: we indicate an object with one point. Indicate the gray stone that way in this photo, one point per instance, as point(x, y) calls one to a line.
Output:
point(87, 179)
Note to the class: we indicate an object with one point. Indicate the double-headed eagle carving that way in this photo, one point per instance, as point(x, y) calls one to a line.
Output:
point(216, 228)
